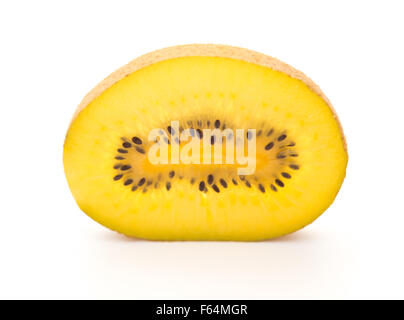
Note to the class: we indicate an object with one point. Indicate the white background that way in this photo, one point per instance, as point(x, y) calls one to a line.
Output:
point(52, 53)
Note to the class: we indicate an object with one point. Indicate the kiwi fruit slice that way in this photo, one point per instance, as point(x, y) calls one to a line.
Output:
point(300, 150)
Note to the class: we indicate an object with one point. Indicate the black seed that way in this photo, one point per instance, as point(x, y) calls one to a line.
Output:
point(282, 137)
point(286, 175)
point(126, 144)
point(223, 183)
point(117, 166)
point(216, 188)
point(217, 124)
point(141, 182)
point(208, 123)
point(149, 183)
point(223, 126)
point(247, 184)
point(273, 188)
point(134, 188)
point(202, 186)
point(212, 140)
point(259, 133)
point(293, 155)
point(170, 130)
point(242, 178)
point(171, 174)
point(200, 133)
point(294, 166)
point(140, 150)
point(168, 186)
point(119, 158)
point(292, 144)
point(270, 132)
point(234, 182)
point(210, 179)
point(192, 181)
point(136, 140)
point(122, 151)
point(249, 135)
point(125, 167)
point(199, 123)
point(261, 187)
point(144, 190)
point(281, 156)
point(117, 177)
point(279, 183)
point(166, 140)
point(269, 146)
point(128, 182)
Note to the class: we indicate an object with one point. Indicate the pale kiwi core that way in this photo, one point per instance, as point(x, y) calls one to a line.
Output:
point(300, 151)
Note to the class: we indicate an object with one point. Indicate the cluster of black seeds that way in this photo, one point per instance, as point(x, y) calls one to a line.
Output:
point(135, 144)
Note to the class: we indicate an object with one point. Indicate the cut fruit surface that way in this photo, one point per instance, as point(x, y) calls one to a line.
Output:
point(203, 94)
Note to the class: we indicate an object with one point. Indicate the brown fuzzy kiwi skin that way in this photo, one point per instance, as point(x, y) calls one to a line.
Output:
point(208, 50)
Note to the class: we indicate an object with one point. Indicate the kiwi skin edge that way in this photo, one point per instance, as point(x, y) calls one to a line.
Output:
point(208, 50)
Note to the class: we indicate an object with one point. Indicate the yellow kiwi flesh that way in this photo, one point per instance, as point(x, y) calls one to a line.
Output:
point(300, 147)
